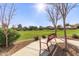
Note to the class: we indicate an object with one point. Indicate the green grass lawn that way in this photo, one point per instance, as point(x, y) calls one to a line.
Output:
point(25, 35)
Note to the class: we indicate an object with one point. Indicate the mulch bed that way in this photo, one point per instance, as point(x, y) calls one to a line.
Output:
point(62, 52)
point(13, 48)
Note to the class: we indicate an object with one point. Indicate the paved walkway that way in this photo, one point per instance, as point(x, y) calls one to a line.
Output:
point(33, 48)
point(29, 50)
point(74, 42)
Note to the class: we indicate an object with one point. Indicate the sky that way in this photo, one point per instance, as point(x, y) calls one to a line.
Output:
point(28, 15)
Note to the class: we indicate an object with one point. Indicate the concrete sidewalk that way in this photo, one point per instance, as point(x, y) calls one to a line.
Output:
point(74, 42)
point(29, 50)
point(32, 49)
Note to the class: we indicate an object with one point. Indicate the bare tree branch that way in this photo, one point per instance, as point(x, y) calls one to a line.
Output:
point(54, 14)
point(64, 9)
point(6, 14)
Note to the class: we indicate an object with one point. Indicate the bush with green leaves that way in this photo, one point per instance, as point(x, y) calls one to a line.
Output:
point(75, 36)
point(2, 37)
point(12, 36)
point(36, 38)
point(43, 36)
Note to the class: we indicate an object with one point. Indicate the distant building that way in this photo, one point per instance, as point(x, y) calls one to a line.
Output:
point(74, 26)
point(50, 27)
point(68, 27)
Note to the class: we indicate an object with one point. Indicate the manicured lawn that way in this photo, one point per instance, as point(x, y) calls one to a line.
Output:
point(33, 33)
point(30, 34)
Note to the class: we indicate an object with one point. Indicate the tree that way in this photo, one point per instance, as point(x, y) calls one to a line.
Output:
point(19, 27)
point(54, 15)
point(64, 9)
point(33, 27)
point(25, 28)
point(67, 24)
point(13, 27)
point(6, 14)
point(41, 27)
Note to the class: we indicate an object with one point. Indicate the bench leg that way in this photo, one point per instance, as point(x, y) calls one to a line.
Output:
point(48, 48)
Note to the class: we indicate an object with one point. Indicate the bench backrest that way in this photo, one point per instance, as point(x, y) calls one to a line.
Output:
point(50, 37)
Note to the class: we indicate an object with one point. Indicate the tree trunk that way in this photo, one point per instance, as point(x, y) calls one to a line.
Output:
point(6, 35)
point(65, 36)
point(55, 30)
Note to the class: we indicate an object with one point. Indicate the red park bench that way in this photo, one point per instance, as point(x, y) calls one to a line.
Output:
point(50, 37)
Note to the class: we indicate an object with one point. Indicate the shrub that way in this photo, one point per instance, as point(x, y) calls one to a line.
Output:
point(2, 38)
point(43, 36)
point(75, 36)
point(12, 36)
point(36, 38)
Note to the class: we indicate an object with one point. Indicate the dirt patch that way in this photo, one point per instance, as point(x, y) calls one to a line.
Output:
point(13, 48)
point(62, 52)
point(59, 50)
